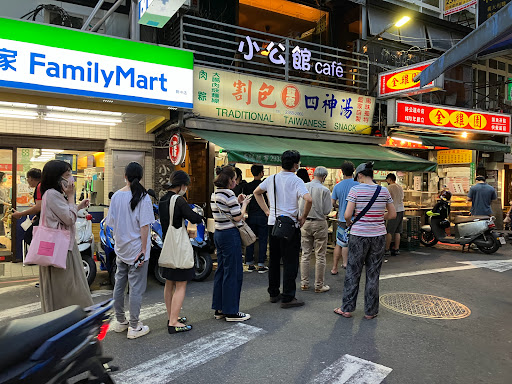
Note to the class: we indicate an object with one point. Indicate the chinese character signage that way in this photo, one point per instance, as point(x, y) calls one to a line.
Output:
point(455, 156)
point(246, 98)
point(449, 118)
point(156, 13)
point(454, 6)
point(487, 8)
point(301, 57)
point(46, 58)
point(401, 82)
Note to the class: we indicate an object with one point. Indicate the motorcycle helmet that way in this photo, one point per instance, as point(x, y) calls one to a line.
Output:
point(445, 195)
point(444, 224)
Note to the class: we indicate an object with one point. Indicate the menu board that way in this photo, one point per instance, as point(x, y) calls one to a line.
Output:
point(455, 156)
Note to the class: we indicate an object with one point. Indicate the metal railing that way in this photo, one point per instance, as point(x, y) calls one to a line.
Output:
point(217, 45)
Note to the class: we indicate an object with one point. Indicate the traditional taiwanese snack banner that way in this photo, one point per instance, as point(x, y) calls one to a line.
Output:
point(433, 116)
point(251, 99)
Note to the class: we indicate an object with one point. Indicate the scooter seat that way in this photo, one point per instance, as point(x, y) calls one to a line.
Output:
point(20, 338)
point(469, 219)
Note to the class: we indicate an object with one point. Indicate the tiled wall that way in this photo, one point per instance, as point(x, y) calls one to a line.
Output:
point(125, 136)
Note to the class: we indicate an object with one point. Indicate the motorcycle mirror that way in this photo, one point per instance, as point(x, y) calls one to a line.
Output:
point(152, 193)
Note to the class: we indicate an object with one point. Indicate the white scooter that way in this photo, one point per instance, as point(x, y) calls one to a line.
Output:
point(85, 240)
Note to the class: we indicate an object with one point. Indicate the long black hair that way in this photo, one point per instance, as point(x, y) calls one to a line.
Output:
point(134, 173)
point(51, 175)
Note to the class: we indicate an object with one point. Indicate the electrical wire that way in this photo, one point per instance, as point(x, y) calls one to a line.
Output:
point(64, 15)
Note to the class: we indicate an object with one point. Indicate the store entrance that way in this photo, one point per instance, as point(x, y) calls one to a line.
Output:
point(6, 174)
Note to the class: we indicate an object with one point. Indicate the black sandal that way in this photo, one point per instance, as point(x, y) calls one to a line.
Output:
point(180, 320)
point(172, 330)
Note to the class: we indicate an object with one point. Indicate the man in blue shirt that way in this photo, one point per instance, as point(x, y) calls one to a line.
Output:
point(481, 194)
point(339, 200)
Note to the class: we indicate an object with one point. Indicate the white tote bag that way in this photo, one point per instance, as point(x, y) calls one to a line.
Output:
point(177, 252)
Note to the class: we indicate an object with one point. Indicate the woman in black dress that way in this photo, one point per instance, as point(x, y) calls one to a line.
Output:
point(176, 279)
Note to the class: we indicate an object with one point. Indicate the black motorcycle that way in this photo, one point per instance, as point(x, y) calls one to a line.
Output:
point(56, 346)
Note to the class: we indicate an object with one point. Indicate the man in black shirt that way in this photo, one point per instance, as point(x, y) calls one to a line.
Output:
point(257, 220)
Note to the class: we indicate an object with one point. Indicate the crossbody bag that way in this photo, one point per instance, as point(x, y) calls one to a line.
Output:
point(284, 227)
point(342, 236)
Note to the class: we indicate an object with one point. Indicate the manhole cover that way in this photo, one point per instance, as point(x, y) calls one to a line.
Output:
point(420, 305)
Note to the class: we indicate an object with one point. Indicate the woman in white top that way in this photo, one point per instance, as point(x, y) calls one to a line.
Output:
point(228, 215)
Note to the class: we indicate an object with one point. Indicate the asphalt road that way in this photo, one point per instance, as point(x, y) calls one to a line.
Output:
point(312, 344)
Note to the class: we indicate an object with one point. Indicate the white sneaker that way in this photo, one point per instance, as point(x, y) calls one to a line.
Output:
point(120, 327)
point(140, 331)
point(240, 316)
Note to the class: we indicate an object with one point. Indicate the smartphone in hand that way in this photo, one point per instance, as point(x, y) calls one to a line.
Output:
point(139, 260)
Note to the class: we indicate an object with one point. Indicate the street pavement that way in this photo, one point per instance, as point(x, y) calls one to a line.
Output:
point(312, 344)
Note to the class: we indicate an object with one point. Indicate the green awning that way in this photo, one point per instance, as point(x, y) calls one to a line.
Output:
point(242, 148)
point(456, 143)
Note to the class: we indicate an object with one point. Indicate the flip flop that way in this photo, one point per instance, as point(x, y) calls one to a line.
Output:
point(334, 273)
point(338, 311)
point(368, 317)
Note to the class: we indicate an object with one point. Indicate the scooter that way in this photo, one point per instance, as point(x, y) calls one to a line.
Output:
point(57, 346)
point(85, 240)
point(468, 230)
point(203, 248)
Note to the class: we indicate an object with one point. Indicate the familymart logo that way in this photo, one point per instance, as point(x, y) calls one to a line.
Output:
point(42, 68)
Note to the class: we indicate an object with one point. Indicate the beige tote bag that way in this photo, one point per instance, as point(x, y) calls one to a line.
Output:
point(177, 252)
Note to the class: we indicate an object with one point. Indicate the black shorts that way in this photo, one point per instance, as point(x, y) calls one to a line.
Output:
point(395, 225)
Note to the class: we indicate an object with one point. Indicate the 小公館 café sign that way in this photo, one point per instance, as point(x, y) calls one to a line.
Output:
point(246, 98)
point(46, 58)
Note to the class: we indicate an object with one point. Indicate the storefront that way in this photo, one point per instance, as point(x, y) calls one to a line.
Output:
point(83, 98)
point(458, 140)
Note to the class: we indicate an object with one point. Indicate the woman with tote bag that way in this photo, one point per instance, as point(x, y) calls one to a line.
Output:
point(62, 287)
point(228, 215)
point(174, 209)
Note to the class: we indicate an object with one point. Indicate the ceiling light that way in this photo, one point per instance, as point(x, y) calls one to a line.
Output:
point(77, 121)
point(83, 111)
point(402, 21)
point(464, 135)
point(17, 112)
point(17, 116)
point(404, 139)
point(79, 118)
point(17, 105)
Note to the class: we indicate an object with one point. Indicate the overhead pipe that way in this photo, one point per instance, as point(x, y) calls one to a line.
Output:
point(107, 15)
point(91, 16)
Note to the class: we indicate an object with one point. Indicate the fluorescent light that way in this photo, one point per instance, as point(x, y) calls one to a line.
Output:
point(77, 121)
point(17, 112)
point(79, 118)
point(406, 139)
point(12, 116)
point(402, 21)
point(17, 105)
point(84, 111)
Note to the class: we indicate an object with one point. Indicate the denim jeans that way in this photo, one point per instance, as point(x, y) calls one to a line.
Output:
point(259, 226)
point(227, 284)
point(289, 251)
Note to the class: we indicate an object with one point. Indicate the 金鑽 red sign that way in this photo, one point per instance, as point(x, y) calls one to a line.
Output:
point(401, 81)
point(434, 116)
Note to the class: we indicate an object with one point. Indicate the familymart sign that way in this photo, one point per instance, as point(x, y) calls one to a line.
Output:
point(53, 59)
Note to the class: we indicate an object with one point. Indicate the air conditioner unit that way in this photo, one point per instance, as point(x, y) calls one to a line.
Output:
point(74, 20)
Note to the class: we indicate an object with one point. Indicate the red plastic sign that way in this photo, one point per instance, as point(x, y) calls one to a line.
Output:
point(177, 149)
point(401, 81)
point(452, 119)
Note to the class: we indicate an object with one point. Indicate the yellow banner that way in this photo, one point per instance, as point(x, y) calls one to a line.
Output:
point(251, 99)
point(455, 156)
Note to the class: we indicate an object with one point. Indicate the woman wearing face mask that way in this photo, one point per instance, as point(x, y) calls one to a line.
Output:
point(228, 214)
point(62, 287)
point(176, 279)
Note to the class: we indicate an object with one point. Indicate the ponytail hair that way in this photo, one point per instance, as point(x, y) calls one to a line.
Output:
point(224, 176)
point(134, 173)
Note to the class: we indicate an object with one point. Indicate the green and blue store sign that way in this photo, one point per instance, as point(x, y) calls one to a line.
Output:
point(39, 57)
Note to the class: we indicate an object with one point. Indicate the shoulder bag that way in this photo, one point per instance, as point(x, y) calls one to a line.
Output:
point(177, 251)
point(342, 236)
point(247, 236)
point(49, 246)
point(284, 227)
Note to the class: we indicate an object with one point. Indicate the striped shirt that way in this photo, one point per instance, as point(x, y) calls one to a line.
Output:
point(372, 223)
point(225, 206)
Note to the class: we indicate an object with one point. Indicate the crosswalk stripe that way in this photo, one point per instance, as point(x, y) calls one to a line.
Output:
point(169, 366)
point(149, 311)
point(353, 370)
point(28, 309)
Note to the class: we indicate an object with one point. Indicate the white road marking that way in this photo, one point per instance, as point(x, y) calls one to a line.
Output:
point(15, 288)
point(147, 312)
point(171, 365)
point(495, 265)
point(28, 309)
point(420, 253)
point(427, 272)
point(353, 370)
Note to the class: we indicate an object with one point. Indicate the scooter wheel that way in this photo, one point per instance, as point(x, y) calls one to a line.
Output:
point(492, 249)
point(428, 239)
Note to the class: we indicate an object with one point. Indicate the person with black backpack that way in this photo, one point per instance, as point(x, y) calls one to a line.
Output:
point(365, 216)
point(34, 181)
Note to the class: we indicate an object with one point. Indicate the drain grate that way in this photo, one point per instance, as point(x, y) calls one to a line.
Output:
point(428, 306)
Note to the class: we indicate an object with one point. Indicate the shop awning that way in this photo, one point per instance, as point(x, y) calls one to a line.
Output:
point(456, 143)
point(242, 148)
